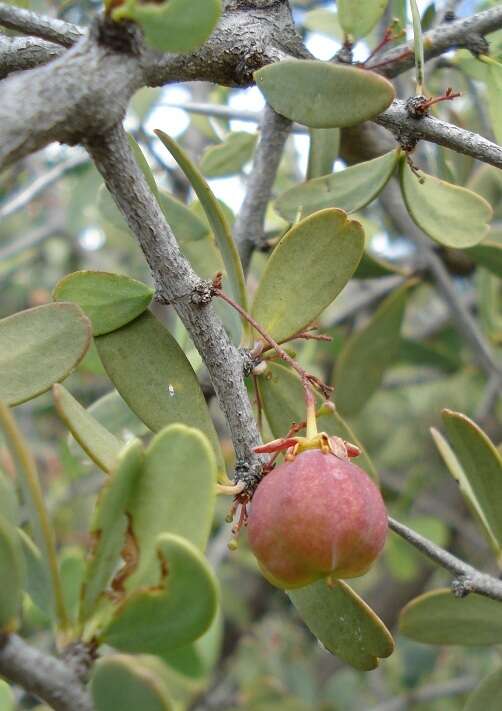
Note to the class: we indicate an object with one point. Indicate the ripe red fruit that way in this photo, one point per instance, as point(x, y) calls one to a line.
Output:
point(315, 516)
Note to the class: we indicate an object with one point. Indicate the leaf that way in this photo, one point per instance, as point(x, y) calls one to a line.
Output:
point(96, 441)
point(71, 570)
point(349, 189)
point(175, 612)
point(173, 26)
point(283, 402)
point(229, 157)
point(9, 505)
point(323, 151)
point(419, 45)
point(438, 617)
point(113, 413)
point(494, 94)
point(12, 574)
point(343, 623)
point(109, 526)
point(40, 347)
point(216, 219)
point(368, 353)
point(480, 477)
point(154, 377)
point(312, 263)
point(487, 695)
point(449, 214)
point(196, 660)
point(187, 227)
point(108, 300)
point(373, 267)
point(7, 701)
point(37, 584)
point(176, 495)
point(323, 95)
point(359, 17)
point(323, 21)
point(487, 254)
point(120, 681)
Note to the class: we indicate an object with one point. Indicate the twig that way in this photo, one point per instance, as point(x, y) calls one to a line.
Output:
point(248, 229)
point(47, 28)
point(21, 53)
point(40, 184)
point(471, 578)
point(42, 675)
point(431, 692)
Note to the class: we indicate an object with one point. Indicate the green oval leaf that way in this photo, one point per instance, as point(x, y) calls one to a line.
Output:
point(323, 151)
point(343, 623)
point(229, 157)
point(113, 413)
point(172, 26)
point(175, 612)
point(40, 347)
point(154, 377)
point(120, 682)
point(368, 353)
point(449, 214)
point(7, 700)
point(176, 494)
point(109, 526)
point(480, 477)
point(282, 396)
point(438, 617)
point(96, 441)
point(358, 17)
point(309, 267)
point(488, 694)
point(12, 574)
point(108, 300)
point(216, 219)
point(488, 254)
point(349, 189)
point(187, 227)
point(323, 95)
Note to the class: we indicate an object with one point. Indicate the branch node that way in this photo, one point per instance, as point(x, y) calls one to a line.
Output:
point(202, 292)
point(462, 586)
point(344, 54)
point(123, 37)
point(80, 657)
point(417, 106)
point(250, 361)
point(250, 474)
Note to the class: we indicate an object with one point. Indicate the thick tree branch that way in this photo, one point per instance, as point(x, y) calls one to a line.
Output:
point(248, 229)
point(469, 579)
point(19, 53)
point(31, 23)
point(467, 32)
point(429, 128)
point(43, 676)
point(175, 281)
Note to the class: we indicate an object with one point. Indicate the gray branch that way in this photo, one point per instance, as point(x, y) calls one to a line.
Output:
point(466, 32)
point(471, 579)
point(248, 230)
point(175, 279)
point(429, 128)
point(20, 53)
point(31, 23)
point(43, 676)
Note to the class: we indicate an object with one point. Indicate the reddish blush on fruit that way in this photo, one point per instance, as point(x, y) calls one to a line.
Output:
point(316, 516)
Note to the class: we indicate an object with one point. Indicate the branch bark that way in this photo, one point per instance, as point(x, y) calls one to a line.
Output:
point(47, 28)
point(42, 675)
point(20, 53)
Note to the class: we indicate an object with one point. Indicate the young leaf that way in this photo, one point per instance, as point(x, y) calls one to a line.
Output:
point(323, 95)
point(481, 464)
point(154, 377)
point(349, 189)
point(306, 271)
point(174, 26)
point(120, 681)
point(12, 574)
point(438, 617)
point(281, 393)
point(323, 151)
point(419, 46)
point(96, 441)
point(358, 17)
point(449, 214)
point(40, 347)
point(176, 611)
point(343, 623)
point(228, 157)
point(176, 494)
point(368, 353)
point(216, 220)
point(487, 695)
point(113, 413)
point(108, 300)
point(109, 525)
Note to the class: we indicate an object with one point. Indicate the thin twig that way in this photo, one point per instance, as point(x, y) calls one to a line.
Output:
point(431, 692)
point(47, 28)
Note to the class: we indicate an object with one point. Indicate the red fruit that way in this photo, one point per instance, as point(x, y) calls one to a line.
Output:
point(315, 516)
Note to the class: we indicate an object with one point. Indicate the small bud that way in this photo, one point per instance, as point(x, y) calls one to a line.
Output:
point(233, 544)
point(260, 368)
